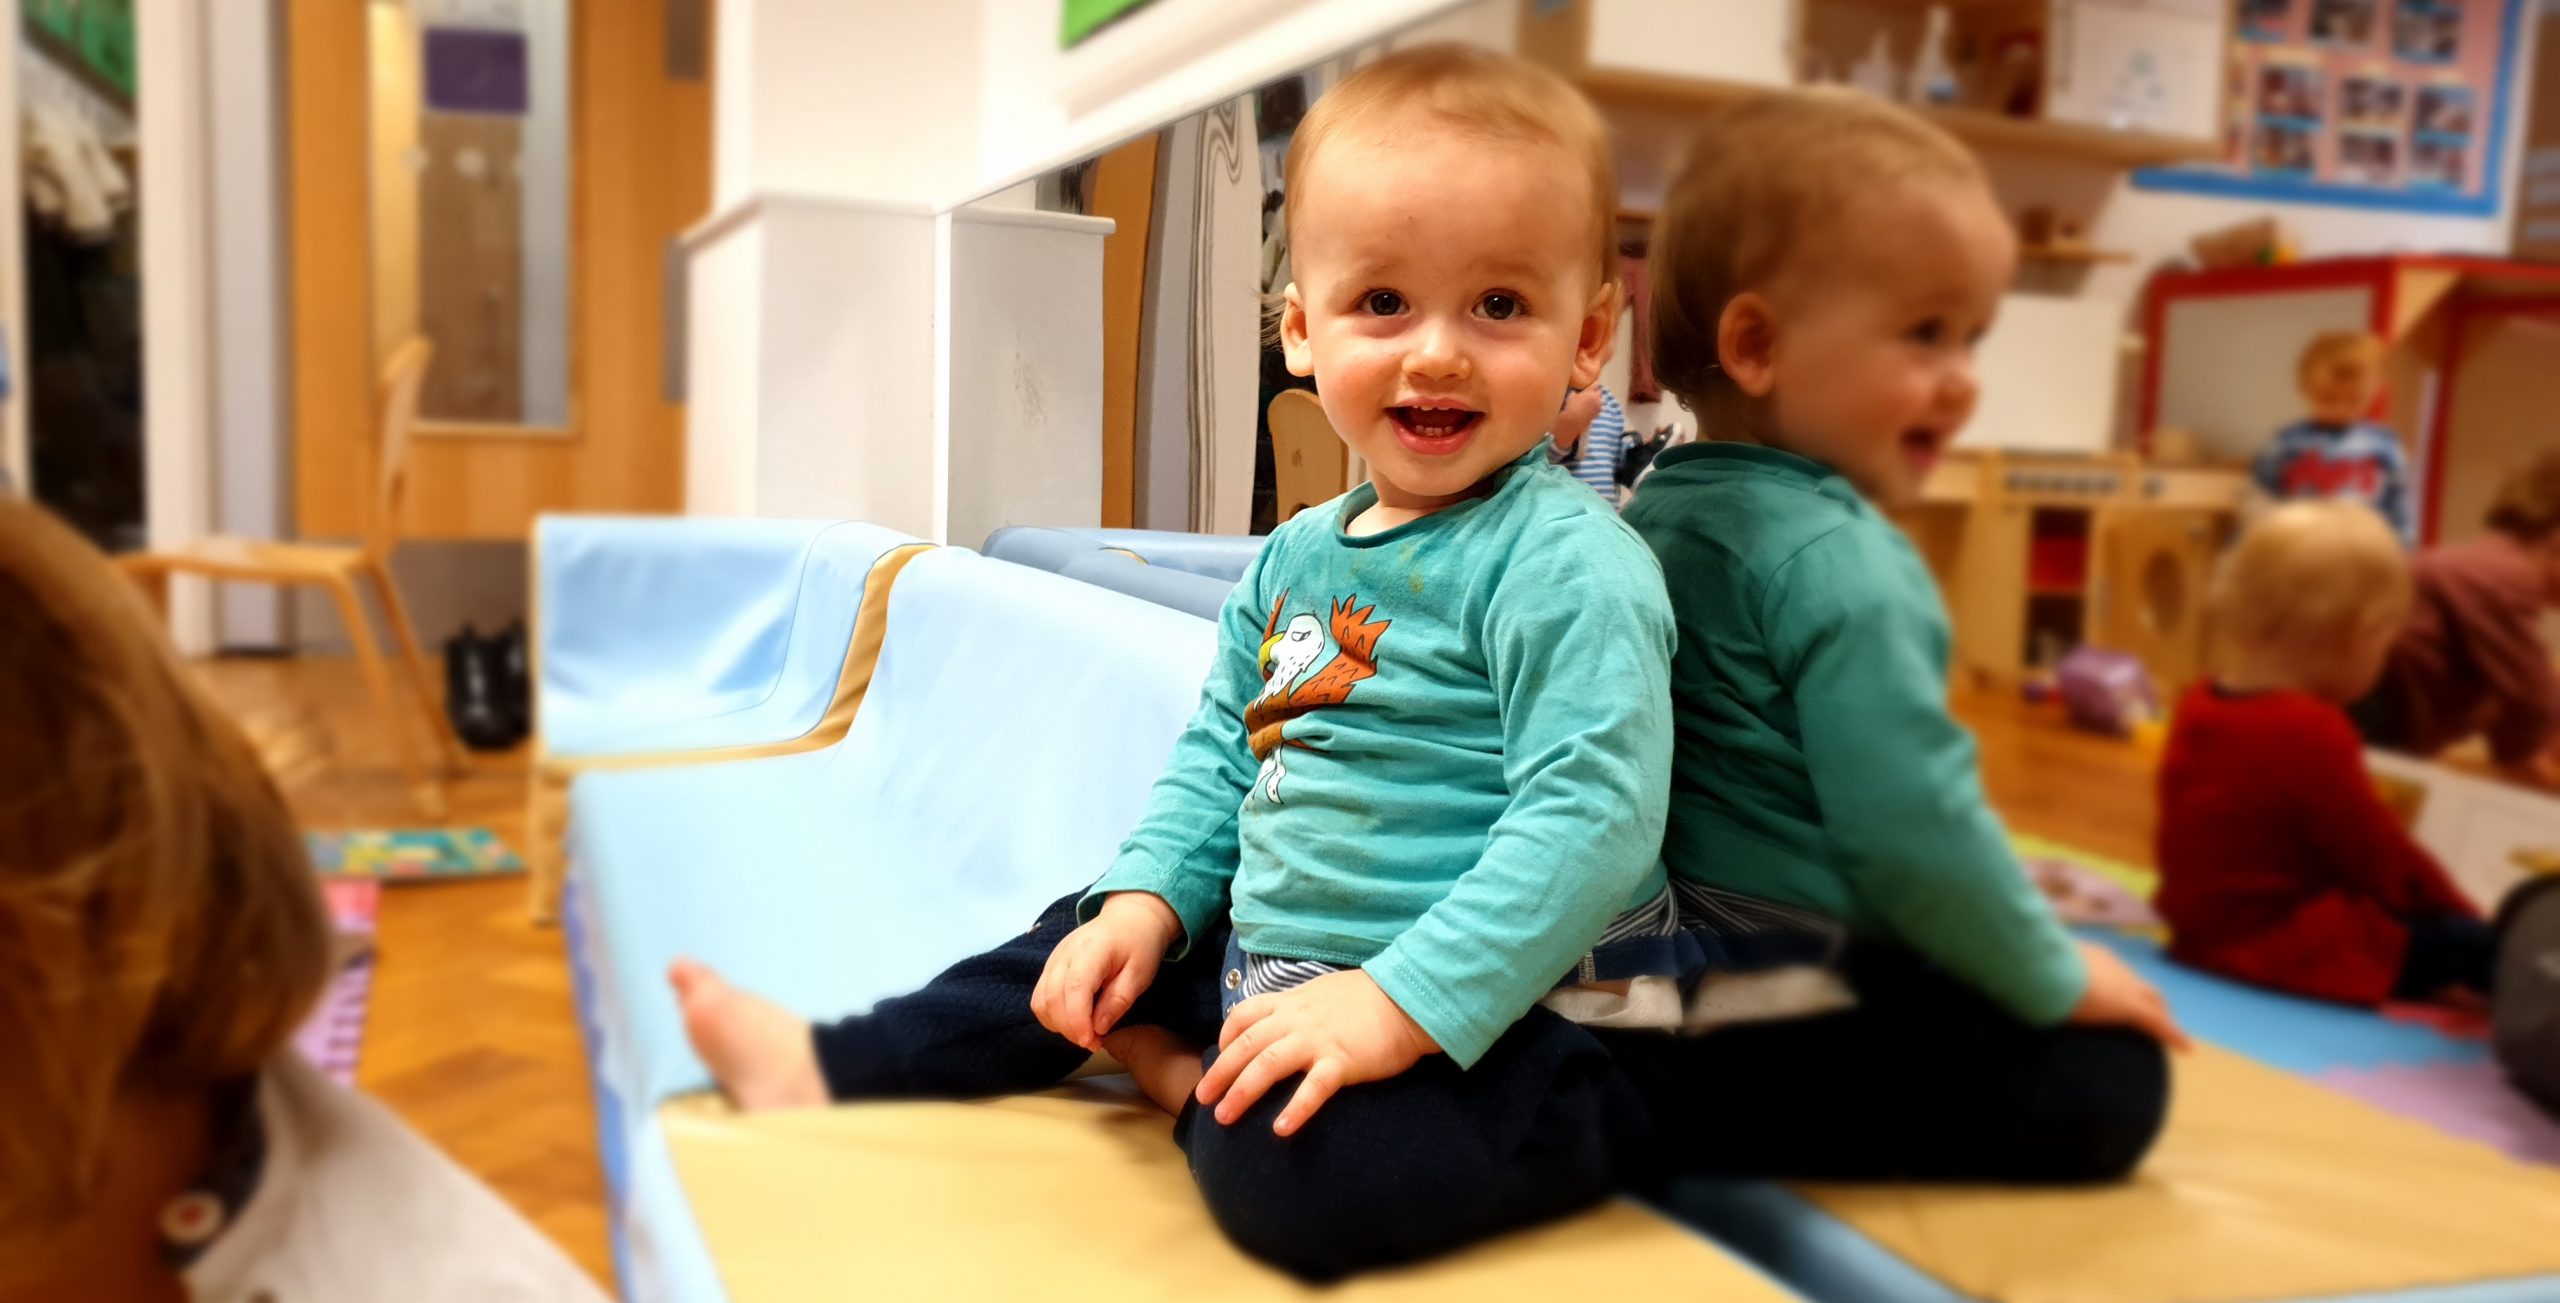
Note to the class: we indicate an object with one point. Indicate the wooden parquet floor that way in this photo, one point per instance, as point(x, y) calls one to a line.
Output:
point(473, 1037)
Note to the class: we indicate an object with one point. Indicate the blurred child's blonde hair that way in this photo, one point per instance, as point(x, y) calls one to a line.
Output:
point(160, 929)
point(2357, 348)
point(1462, 89)
point(2309, 578)
point(2528, 501)
point(1760, 184)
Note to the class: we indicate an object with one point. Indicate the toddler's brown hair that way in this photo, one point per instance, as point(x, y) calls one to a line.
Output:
point(1760, 185)
point(160, 928)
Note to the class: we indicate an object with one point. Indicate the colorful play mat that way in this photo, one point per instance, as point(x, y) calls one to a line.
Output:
point(2421, 1062)
point(412, 854)
point(334, 1033)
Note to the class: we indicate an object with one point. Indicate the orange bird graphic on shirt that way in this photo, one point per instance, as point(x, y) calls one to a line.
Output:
point(1289, 652)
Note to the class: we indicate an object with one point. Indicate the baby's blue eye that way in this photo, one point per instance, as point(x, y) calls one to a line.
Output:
point(1384, 303)
point(1500, 307)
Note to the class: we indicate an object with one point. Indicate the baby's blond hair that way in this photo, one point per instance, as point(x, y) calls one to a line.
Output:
point(1760, 184)
point(2310, 578)
point(1461, 89)
point(2356, 348)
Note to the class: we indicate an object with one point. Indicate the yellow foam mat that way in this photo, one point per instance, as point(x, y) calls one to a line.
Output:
point(2264, 1186)
point(1078, 1195)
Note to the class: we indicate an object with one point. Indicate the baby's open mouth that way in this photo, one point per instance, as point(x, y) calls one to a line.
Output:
point(1434, 430)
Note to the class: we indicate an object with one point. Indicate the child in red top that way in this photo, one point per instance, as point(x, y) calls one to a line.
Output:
point(2279, 863)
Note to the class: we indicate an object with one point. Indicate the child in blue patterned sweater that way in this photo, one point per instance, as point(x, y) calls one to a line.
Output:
point(2335, 453)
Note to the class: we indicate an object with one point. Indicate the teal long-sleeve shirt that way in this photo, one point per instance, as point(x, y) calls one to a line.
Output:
point(1814, 761)
point(1438, 753)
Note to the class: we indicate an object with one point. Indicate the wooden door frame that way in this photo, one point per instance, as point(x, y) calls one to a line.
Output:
point(1124, 190)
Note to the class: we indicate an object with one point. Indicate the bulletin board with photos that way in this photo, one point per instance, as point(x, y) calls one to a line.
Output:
point(2395, 104)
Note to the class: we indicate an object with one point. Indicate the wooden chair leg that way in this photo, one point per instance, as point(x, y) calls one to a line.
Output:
point(545, 826)
point(377, 678)
point(153, 580)
point(439, 725)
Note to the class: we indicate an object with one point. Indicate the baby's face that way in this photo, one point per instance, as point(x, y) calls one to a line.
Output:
point(2339, 392)
point(1872, 365)
point(1445, 298)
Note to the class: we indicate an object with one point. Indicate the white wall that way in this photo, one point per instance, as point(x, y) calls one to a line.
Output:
point(1043, 107)
point(945, 101)
point(877, 101)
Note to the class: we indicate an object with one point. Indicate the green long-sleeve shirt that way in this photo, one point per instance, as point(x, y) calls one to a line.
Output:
point(1814, 761)
point(1438, 753)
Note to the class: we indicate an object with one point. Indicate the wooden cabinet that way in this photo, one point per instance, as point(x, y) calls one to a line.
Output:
point(2038, 555)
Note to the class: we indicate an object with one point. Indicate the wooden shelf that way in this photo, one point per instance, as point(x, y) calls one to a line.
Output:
point(2065, 253)
point(1987, 131)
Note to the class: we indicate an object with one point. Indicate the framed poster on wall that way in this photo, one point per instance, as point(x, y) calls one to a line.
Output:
point(2396, 104)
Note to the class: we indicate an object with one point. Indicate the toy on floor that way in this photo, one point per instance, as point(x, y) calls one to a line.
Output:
point(405, 855)
point(331, 1037)
point(2106, 691)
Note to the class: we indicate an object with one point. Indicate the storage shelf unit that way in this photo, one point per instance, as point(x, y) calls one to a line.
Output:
point(1562, 37)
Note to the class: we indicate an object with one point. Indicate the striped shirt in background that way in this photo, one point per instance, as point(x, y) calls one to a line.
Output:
point(1602, 446)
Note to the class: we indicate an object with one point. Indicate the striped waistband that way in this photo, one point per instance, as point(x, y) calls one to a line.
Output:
point(1684, 930)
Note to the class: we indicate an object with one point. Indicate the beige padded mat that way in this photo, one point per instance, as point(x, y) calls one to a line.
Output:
point(1078, 1195)
point(2266, 1186)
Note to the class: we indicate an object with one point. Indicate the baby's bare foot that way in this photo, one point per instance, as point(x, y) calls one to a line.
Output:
point(759, 1051)
point(1165, 1067)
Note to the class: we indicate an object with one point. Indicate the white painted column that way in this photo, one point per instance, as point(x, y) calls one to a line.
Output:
point(250, 461)
point(177, 318)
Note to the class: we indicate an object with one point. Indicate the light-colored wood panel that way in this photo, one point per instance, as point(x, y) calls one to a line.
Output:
point(334, 361)
point(392, 105)
point(1124, 190)
point(640, 153)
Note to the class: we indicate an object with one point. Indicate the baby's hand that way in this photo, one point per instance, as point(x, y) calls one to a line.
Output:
point(1101, 968)
point(1339, 1029)
point(2118, 997)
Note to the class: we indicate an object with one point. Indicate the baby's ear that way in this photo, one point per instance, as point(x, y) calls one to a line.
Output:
point(1294, 348)
point(1599, 336)
point(1747, 343)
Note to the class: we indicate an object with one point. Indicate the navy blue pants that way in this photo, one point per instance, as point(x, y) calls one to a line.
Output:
point(1925, 1080)
point(1389, 1172)
point(2445, 950)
